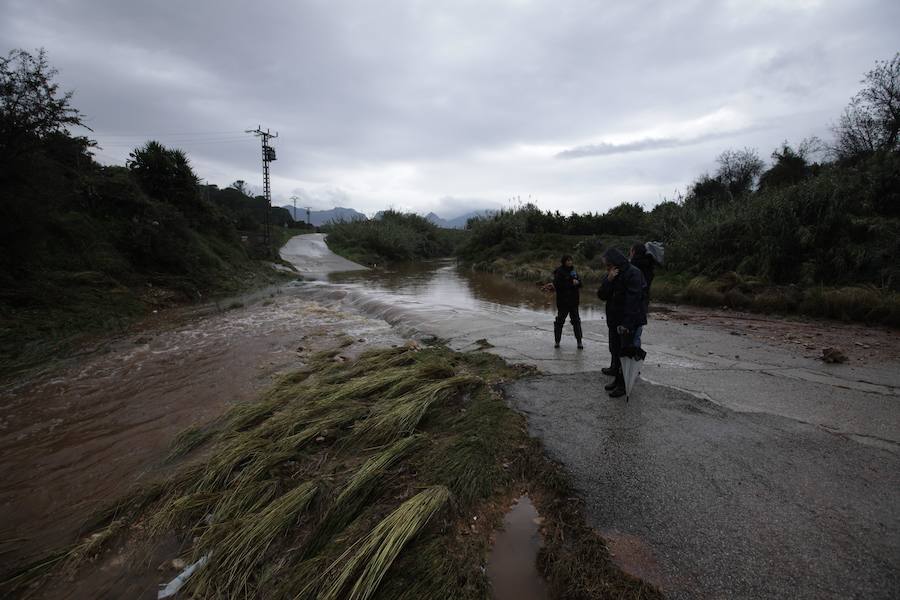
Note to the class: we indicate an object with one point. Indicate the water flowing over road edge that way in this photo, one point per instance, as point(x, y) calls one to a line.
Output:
point(309, 254)
point(80, 435)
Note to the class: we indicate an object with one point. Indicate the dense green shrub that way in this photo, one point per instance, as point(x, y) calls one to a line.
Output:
point(393, 237)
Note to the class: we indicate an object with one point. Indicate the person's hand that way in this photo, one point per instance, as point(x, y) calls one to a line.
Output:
point(612, 273)
point(547, 288)
point(622, 330)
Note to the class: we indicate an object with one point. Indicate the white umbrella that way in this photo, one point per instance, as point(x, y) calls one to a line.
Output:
point(631, 368)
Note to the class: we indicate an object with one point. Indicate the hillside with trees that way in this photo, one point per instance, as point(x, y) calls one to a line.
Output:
point(86, 247)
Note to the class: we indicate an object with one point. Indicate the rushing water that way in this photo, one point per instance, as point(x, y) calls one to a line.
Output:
point(443, 284)
point(75, 438)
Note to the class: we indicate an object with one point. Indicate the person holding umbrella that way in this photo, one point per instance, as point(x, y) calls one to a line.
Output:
point(643, 260)
point(566, 283)
point(623, 290)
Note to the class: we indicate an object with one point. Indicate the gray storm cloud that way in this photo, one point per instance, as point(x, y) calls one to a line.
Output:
point(406, 103)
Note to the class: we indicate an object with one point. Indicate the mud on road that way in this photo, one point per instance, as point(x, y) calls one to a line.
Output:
point(77, 439)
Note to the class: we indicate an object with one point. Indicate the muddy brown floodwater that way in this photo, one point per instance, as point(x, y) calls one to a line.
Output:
point(512, 566)
point(77, 439)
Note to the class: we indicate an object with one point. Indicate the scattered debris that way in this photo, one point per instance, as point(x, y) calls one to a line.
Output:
point(833, 355)
point(171, 588)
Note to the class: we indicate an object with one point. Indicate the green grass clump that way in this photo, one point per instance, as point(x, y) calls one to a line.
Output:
point(234, 557)
point(351, 481)
point(360, 569)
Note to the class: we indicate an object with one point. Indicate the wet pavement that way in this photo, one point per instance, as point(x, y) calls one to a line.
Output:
point(708, 502)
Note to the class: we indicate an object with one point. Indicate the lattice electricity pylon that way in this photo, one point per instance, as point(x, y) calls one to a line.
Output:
point(268, 155)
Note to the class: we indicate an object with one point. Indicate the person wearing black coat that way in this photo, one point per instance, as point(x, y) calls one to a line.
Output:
point(644, 261)
point(566, 284)
point(623, 290)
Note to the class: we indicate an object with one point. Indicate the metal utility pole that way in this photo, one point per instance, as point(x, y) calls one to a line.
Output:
point(308, 220)
point(268, 155)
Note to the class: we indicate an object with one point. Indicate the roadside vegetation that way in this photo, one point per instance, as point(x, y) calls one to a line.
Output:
point(391, 237)
point(85, 248)
point(800, 235)
point(383, 477)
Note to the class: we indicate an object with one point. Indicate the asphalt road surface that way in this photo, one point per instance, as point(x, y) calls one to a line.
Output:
point(742, 467)
point(708, 502)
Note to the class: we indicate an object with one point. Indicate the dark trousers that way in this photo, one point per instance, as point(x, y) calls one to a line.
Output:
point(615, 348)
point(570, 311)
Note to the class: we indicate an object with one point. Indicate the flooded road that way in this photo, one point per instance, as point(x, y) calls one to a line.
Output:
point(73, 439)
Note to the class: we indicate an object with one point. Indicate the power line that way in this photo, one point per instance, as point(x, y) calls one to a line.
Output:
point(171, 133)
point(137, 142)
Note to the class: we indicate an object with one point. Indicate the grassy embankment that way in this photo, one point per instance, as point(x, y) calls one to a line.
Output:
point(87, 249)
point(383, 477)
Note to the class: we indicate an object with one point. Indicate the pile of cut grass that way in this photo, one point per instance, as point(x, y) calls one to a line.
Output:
point(361, 481)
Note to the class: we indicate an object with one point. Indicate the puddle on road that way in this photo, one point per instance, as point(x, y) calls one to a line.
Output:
point(512, 566)
point(631, 554)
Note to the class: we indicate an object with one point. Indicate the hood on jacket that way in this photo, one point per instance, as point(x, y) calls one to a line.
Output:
point(614, 257)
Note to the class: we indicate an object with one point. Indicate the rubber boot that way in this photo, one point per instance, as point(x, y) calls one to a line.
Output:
point(617, 387)
point(612, 369)
point(557, 333)
point(577, 328)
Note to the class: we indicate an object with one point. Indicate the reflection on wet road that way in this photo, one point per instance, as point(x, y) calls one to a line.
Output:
point(441, 284)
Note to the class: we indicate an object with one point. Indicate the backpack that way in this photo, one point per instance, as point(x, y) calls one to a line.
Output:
point(657, 251)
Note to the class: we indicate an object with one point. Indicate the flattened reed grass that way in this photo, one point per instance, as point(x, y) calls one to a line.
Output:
point(316, 490)
point(365, 563)
point(392, 420)
point(234, 558)
point(190, 439)
point(359, 487)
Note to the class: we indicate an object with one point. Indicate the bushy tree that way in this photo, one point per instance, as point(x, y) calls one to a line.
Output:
point(625, 219)
point(164, 174)
point(871, 122)
point(666, 220)
point(739, 170)
point(707, 193)
point(241, 186)
point(789, 167)
point(32, 109)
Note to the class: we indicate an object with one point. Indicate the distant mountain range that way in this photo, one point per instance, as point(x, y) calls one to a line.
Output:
point(456, 222)
point(320, 217)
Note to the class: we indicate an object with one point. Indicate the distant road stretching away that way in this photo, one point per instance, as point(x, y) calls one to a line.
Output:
point(310, 255)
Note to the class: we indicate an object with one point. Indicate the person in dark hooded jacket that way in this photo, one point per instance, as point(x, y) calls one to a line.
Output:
point(623, 290)
point(566, 284)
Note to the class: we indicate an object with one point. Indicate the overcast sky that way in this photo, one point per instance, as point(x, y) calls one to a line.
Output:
point(448, 106)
